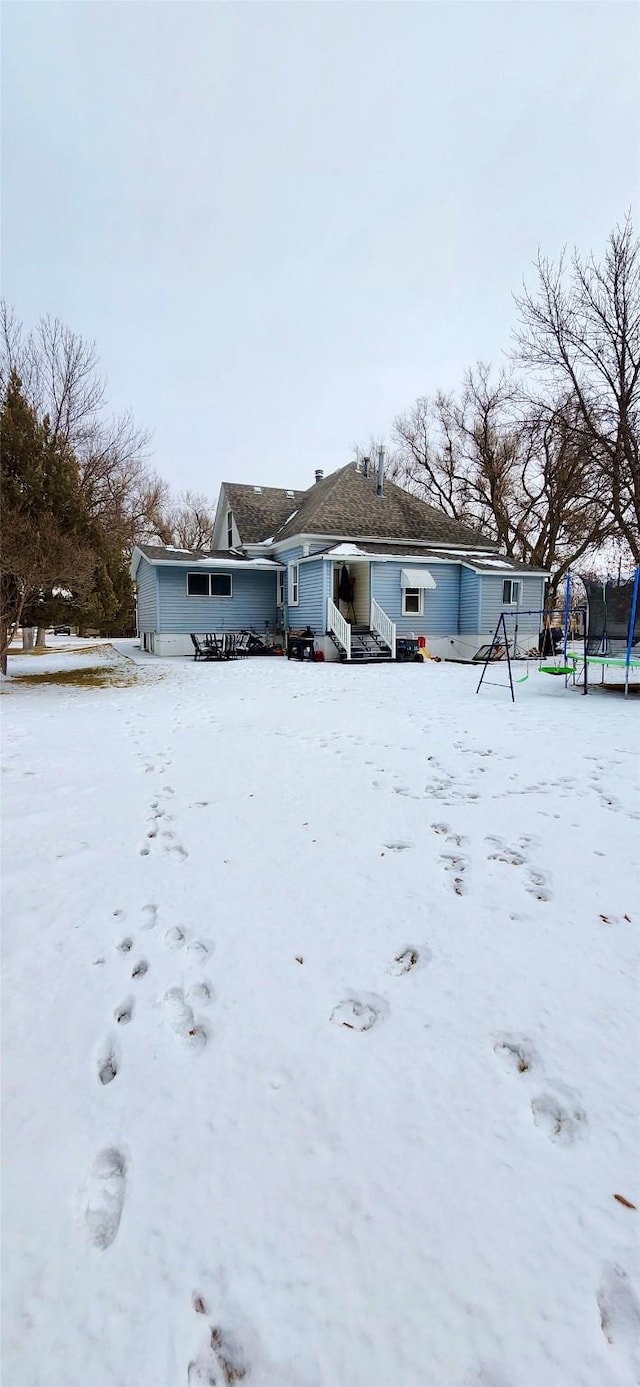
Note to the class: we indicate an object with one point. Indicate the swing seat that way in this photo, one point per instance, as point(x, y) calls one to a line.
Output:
point(556, 669)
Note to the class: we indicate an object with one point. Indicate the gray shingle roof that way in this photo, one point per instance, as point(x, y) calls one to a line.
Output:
point(346, 504)
point(260, 511)
point(488, 562)
point(160, 553)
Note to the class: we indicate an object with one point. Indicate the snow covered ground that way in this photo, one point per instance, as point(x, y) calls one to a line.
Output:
point(321, 1029)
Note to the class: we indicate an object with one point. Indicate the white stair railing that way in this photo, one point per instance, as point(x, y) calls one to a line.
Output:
point(383, 626)
point(337, 626)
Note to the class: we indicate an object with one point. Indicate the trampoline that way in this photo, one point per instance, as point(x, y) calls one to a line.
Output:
point(613, 628)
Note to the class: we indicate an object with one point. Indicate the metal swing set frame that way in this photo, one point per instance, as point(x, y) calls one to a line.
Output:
point(595, 633)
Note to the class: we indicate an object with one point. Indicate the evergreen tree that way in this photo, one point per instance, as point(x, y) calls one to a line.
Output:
point(45, 538)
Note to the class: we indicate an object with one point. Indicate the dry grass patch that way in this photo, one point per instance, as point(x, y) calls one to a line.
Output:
point(95, 677)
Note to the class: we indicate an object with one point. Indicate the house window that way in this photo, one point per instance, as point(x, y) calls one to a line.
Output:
point(294, 574)
point(209, 585)
point(281, 587)
point(511, 592)
point(198, 584)
point(229, 529)
point(412, 601)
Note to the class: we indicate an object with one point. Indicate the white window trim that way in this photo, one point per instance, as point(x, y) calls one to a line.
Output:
point(294, 583)
point(230, 529)
point(513, 601)
point(206, 596)
point(412, 591)
point(281, 587)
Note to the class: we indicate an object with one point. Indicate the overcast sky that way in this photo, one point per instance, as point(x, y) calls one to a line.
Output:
point(283, 222)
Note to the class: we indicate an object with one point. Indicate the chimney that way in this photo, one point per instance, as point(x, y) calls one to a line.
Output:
point(380, 471)
point(319, 474)
point(365, 466)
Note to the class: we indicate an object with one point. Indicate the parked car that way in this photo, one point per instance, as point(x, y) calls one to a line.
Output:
point(62, 630)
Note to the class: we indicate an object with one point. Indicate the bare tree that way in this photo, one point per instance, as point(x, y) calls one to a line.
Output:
point(520, 475)
point(580, 330)
point(186, 522)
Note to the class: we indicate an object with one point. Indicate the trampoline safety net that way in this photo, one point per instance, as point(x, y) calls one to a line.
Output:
point(609, 617)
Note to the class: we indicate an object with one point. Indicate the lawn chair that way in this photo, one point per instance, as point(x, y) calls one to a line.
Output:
point(203, 650)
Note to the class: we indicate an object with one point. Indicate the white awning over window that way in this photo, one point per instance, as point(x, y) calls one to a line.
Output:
point(416, 578)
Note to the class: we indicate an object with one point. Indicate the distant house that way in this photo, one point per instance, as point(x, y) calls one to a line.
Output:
point(361, 564)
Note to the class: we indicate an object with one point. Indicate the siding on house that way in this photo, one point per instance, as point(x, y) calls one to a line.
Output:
point(286, 557)
point(469, 601)
point(252, 605)
point(312, 606)
point(147, 597)
point(492, 604)
point(441, 606)
point(289, 555)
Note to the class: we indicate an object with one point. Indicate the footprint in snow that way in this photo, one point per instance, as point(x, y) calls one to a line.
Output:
point(539, 886)
point(458, 866)
point(508, 855)
point(182, 1021)
point(174, 938)
point(399, 846)
point(197, 950)
point(408, 959)
point(141, 967)
point(149, 916)
point(125, 946)
point(199, 992)
point(619, 1308)
point(107, 1062)
point(124, 1012)
point(105, 1197)
point(221, 1362)
point(176, 850)
point(357, 1014)
point(562, 1122)
point(515, 1053)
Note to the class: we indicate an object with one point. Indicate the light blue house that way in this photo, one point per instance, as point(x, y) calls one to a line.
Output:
point(357, 559)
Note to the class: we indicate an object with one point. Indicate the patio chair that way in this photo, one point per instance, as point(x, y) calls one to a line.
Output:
point(203, 650)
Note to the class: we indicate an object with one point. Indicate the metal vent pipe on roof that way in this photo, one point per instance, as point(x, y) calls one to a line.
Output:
point(365, 466)
point(319, 474)
point(380, 471)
